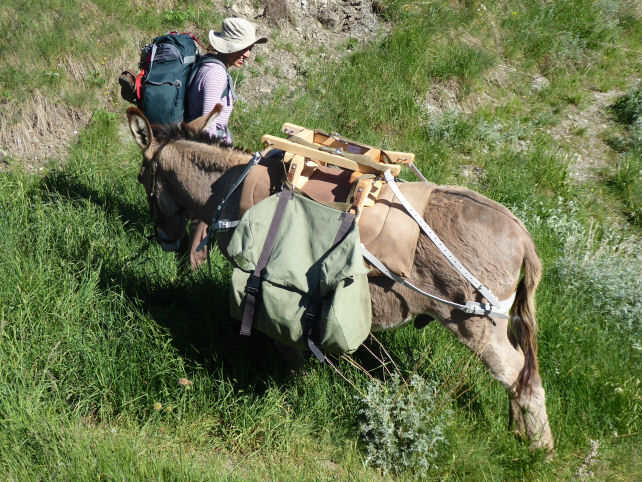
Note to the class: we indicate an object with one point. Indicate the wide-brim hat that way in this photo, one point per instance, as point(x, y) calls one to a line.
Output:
point(236, 34)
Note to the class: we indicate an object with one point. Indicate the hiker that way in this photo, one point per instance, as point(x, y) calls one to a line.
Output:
point(231, 47)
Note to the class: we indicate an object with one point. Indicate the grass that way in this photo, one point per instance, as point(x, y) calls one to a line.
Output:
point(97, 325)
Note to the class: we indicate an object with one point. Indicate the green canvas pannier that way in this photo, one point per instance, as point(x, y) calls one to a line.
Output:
point(313, 290)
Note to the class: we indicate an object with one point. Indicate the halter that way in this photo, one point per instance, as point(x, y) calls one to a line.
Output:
point(159, 235)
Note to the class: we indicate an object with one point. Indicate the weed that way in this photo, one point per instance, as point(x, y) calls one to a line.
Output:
point(559, 36)
point(239, 76)
point(177, 17)
point(628, 108)
point(626, 181)
point(96, 79)
point(405, 425)
point(598, 262)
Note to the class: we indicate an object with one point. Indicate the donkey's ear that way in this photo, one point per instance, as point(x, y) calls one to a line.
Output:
point(139, 125)
point(205, 121)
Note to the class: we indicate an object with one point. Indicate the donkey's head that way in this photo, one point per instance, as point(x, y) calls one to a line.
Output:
point(168, 216)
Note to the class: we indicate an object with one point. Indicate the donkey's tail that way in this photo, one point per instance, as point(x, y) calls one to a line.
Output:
point(524, 324)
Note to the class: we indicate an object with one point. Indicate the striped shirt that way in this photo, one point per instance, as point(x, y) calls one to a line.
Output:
point(208, 86)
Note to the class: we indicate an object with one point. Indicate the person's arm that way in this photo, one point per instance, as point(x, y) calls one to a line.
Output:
point(214, 83)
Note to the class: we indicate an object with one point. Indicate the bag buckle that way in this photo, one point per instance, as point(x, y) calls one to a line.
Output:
point(253, 285)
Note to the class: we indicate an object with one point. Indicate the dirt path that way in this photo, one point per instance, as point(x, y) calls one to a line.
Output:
point(582, 131)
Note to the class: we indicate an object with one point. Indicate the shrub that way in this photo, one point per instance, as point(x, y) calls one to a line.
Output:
point(404, 426)
point(609, 269)
point(628, 108)
point(599, 262)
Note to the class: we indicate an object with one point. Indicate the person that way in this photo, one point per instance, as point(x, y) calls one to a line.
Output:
point(212, 84)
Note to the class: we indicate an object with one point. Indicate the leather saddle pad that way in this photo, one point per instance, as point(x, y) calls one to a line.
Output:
point(329, 185)
point(386, 228)
point(262, 181)
point(326, 184)
point(389, 232)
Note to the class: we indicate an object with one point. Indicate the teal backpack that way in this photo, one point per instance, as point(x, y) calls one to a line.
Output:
point(168, 67)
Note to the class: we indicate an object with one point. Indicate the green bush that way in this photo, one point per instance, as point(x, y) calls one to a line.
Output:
point(628, 110)
point(405, 425)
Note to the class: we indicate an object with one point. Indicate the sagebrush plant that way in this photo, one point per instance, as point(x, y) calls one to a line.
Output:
point(405, 425)
point(608, 268)
point(598, 260)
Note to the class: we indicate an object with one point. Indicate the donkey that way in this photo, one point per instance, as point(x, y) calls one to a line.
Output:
point(186, 175)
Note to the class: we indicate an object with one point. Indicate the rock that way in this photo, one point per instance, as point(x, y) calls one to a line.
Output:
point(328, 18)
point(539, 83)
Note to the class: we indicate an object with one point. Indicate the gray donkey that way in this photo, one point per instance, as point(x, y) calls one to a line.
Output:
point(186, 176)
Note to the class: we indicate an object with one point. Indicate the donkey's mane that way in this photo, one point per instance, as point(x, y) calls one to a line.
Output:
point(226, 157)
point(182, 132)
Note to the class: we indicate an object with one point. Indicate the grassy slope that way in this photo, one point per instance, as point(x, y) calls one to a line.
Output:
point(97, 325)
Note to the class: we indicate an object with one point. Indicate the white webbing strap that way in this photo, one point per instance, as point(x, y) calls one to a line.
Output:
point(486, 293)
point(417, 171)
point(471, 307)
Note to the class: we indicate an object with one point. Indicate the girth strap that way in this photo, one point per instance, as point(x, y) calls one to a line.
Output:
point(219, 209)
point(471, 307)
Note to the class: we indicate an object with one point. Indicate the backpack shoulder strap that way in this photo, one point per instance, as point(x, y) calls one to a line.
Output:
point(206, 59)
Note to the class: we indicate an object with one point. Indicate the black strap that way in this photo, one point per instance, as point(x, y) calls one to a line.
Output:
point(253, 286)
point(312, 312)
point(346, 222)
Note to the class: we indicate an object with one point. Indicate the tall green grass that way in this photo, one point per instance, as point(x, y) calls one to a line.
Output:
point(626, 181)
point(97, 325)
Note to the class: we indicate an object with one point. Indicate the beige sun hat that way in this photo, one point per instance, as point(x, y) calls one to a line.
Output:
point(236, 34)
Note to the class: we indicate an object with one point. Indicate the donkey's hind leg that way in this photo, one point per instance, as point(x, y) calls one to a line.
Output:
point(505, 361)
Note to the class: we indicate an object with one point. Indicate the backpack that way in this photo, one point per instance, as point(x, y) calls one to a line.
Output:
point(166, 65)
point(304, 285)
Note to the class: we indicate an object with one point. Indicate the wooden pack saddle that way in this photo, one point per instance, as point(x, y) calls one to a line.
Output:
point(332, 169)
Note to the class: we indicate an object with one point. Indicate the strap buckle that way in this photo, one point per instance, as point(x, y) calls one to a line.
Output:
point(224, 224)
point(310, 315)
point(253, 285)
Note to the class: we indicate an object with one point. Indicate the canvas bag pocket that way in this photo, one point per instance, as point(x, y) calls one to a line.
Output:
point(301, 270)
